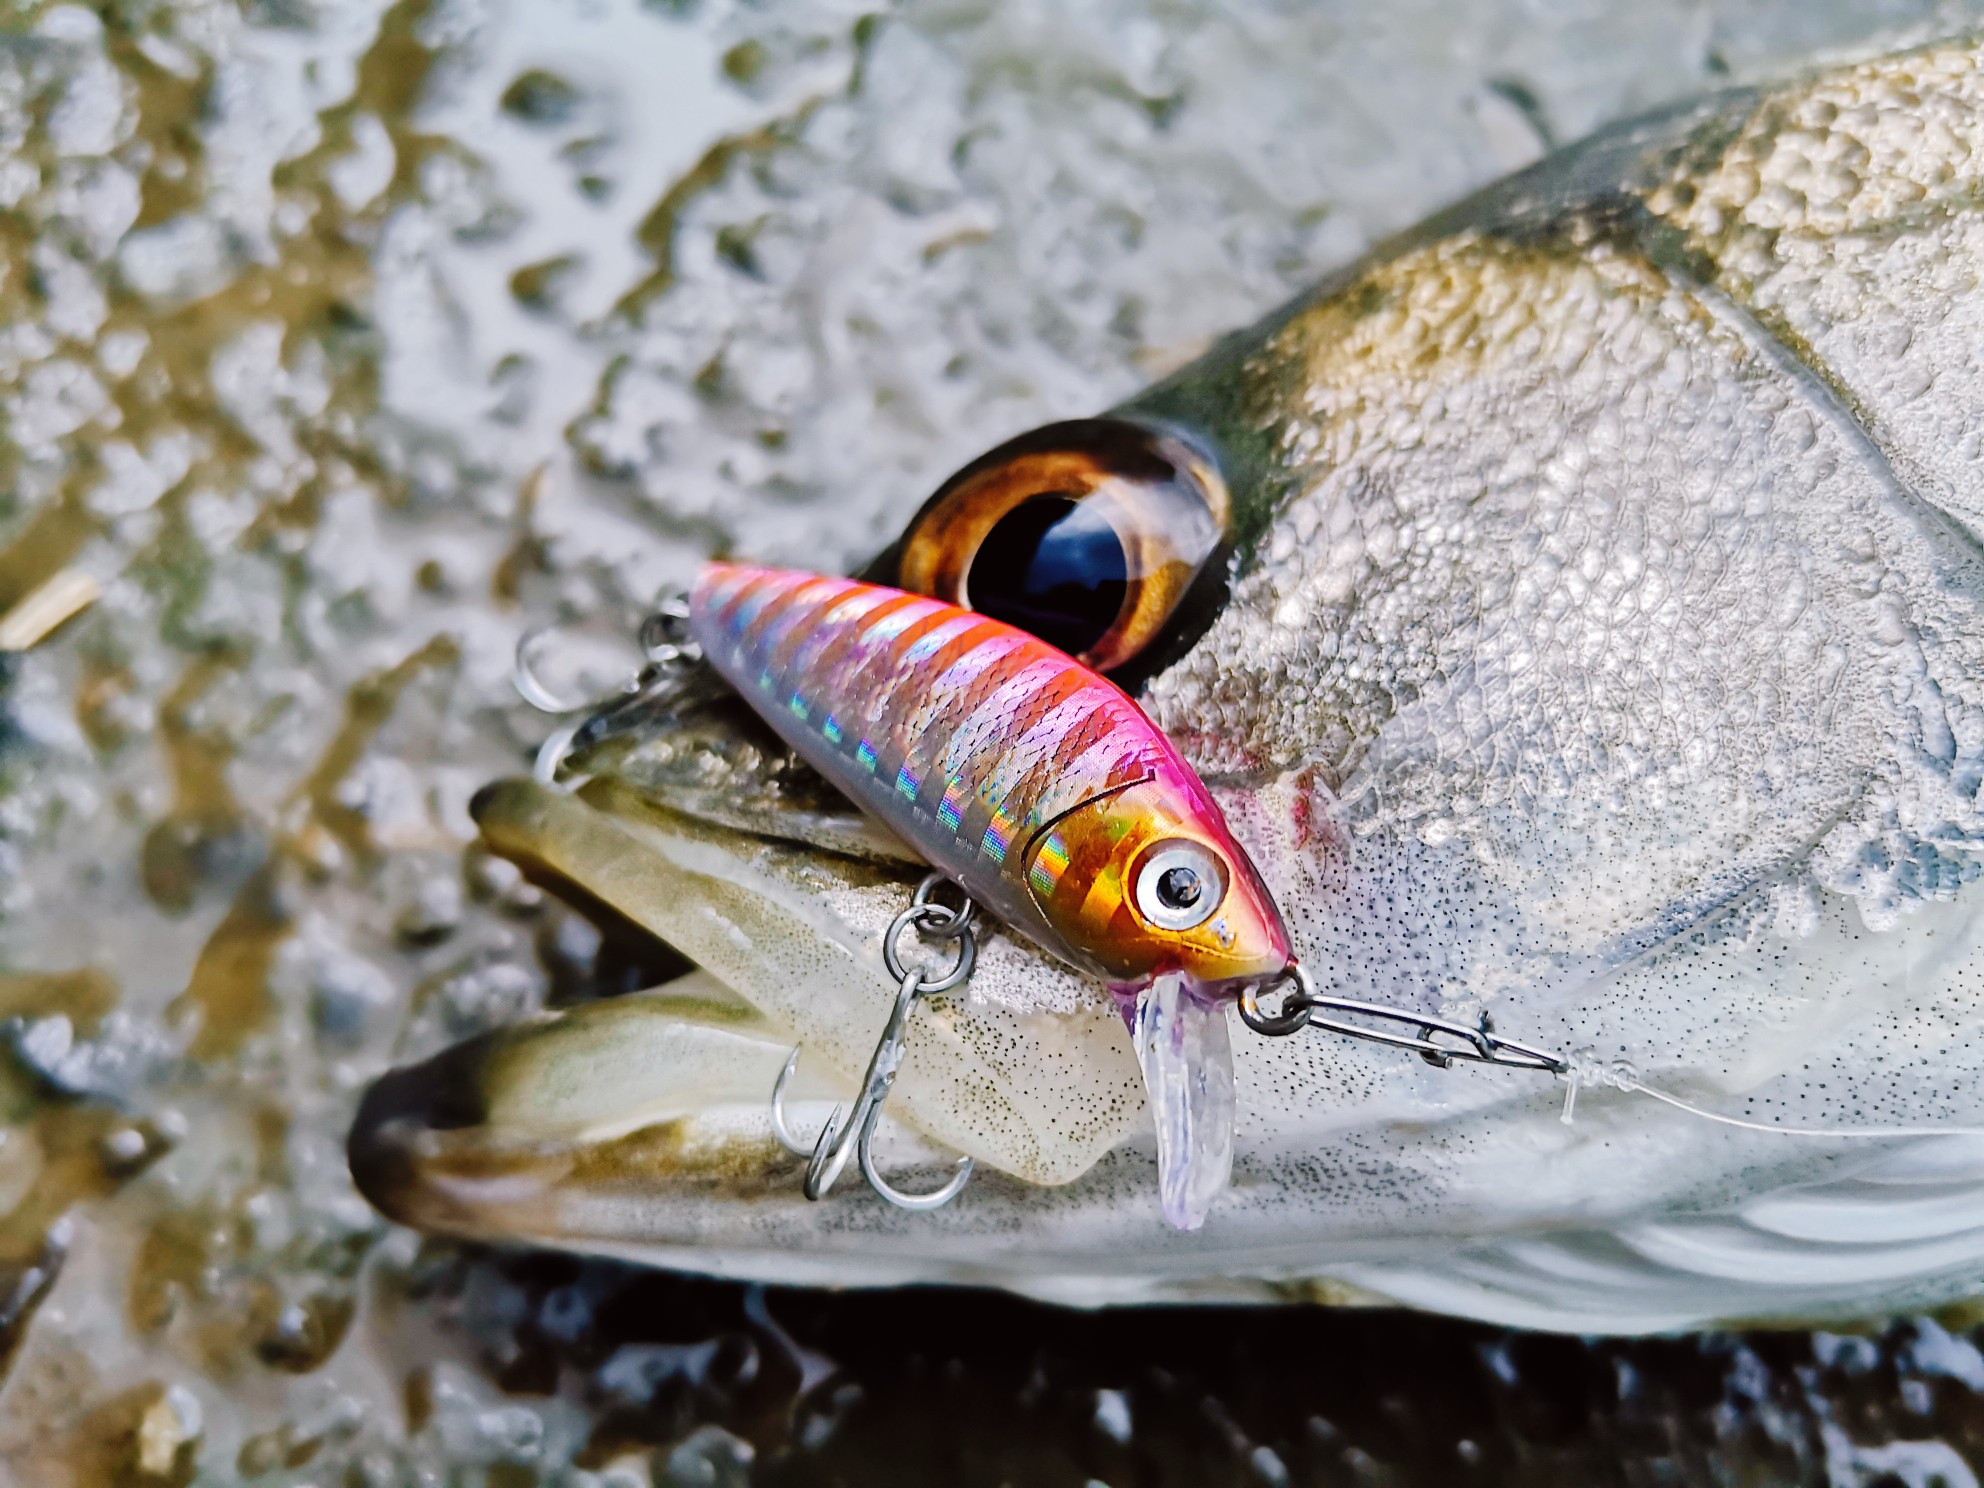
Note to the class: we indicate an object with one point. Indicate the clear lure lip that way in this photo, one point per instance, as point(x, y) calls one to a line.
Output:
point(1041, 789)
point(1183, 1047)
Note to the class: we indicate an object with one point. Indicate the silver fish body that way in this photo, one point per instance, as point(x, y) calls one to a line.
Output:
point(1603, 650)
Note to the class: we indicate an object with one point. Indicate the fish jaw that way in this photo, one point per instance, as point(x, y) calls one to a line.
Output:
point(1178, 1029)
point(636, 1127)
point(1030, 1077)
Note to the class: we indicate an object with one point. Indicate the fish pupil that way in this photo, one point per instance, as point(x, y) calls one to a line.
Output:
point(1053, 567)
point(1179, 888)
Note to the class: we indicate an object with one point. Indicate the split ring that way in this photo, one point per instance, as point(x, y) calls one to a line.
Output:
point(1296, 1007)
point(918, 915)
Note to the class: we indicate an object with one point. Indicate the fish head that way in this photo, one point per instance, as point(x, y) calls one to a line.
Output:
point(1593, 642)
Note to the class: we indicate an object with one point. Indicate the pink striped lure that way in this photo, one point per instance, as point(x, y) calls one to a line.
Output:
point(1040, 788)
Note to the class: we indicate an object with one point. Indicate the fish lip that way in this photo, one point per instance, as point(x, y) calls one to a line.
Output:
point(400, 1107)
point(794, 935)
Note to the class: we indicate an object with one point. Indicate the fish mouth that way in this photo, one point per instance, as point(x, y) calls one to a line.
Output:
point(639, 1126)
point(558, 1127)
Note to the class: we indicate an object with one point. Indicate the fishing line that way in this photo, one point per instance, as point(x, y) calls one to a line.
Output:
point(1441, 1042)
point(1581, 1071)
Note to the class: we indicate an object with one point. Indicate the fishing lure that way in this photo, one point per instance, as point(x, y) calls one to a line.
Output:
point(1043, 791)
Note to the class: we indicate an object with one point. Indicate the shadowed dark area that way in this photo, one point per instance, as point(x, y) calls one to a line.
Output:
point(966, 1389)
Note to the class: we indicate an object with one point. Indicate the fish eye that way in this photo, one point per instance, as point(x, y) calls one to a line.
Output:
point(1178, 885)
point(1086, 534)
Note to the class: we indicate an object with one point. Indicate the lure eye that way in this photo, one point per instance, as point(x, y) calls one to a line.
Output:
point(1087, 534)
point(1178, 885)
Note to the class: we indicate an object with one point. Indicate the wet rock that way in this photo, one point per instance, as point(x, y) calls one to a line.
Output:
point(433, 915)
point(709, 1457)
point(124, 1054)
point(541, 97)
point(168, 1436)
point(349, 997)
point(483, 996)
point(498, 881)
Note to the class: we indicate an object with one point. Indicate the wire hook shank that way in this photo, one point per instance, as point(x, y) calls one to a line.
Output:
point(853, 1134)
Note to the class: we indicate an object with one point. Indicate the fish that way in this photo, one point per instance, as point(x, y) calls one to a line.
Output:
point(1575, 606)
point(1042, 790)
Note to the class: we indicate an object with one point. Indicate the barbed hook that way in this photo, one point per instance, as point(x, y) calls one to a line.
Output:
point(852, 1133)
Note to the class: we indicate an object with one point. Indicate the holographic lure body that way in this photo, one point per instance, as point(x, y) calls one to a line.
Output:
point(1040, 788)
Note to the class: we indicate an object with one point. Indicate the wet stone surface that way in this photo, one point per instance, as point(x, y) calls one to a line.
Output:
point(341, 344)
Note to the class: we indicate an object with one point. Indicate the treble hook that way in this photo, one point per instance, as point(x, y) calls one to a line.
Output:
point(670, 648)
point(854, 1137)
point(665, 635)
point(525, 680)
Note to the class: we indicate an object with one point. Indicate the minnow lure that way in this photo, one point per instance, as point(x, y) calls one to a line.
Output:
point(1044, 792)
